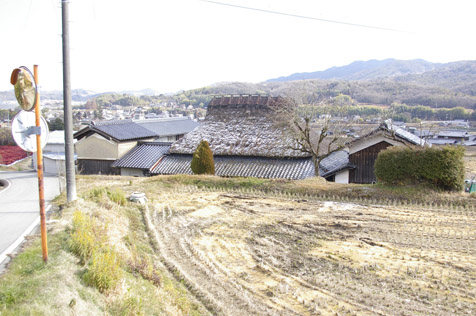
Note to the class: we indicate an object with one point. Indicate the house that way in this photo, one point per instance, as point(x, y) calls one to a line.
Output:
point(101, 143)
point(355, 163)
point(246, 143)
point(450, 137)
point(53, 154)
point(141, 159)
point(244, 140)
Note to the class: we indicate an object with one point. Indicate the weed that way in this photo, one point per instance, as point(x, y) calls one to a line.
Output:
point(130, 306)
point(83, 241)
point(117, 196)
point(98, 194)
point(104, 271)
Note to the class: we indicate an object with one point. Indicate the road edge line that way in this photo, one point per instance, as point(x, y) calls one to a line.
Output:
point(9, 184)
point(20, 239)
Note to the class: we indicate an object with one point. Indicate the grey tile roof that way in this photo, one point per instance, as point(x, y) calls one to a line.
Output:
point(423, 133)
point(404, 134)
point(169, 126)
point(123, 130)
point(239, 166)
point(442, 141)
point(240, 126)
point(335, 162)
point(454, 134)
point(143, 156)
point(389, 129)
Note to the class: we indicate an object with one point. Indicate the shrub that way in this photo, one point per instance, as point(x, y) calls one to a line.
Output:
point(441, 167)
point(202, 161)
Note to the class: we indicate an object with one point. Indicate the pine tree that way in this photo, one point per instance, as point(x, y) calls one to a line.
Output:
point(202, 161)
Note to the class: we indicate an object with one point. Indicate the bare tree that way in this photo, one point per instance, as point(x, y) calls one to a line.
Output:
point(311, 127)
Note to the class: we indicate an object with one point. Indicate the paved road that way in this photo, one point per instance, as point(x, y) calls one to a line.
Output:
point(19, 204)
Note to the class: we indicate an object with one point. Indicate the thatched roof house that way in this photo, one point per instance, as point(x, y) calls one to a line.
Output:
point(242, 126)
point(244, 140)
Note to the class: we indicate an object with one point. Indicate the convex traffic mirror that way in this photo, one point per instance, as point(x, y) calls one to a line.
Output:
point(26, 90)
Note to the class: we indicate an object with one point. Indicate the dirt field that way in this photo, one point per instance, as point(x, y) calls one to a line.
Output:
point(247, 255)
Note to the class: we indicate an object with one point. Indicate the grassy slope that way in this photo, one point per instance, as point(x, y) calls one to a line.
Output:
point(30, 287)
point(22, 165)
point(33, 288)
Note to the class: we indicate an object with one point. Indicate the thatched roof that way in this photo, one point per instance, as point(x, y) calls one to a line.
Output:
point(240, 126)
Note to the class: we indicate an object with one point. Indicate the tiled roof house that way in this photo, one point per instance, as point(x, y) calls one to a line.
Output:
point(141, 159)
point(102, 143)
point(355, 163)
point(244, 140)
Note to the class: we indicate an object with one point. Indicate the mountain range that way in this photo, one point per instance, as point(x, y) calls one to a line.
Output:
point(459, 76)
point(413, 82)
point(366, 70)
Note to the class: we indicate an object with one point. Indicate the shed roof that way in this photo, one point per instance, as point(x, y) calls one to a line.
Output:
point(335, 162)
point(143, 156)
point(240, 126)
point(240, 166)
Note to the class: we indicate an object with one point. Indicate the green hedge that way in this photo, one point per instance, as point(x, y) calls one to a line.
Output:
point(441, 167)
point(202, 161)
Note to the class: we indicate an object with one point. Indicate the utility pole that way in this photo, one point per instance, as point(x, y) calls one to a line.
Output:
point(68, 112)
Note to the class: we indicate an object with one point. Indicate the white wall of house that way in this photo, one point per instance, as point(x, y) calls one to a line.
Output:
point(54, 148)
point(50, 165)
point(97, 147)
point(170, 138)
point(342, 177)
point(131, 172)
point(123, 148)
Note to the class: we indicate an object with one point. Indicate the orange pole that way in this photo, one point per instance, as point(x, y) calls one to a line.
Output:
point(39, 159)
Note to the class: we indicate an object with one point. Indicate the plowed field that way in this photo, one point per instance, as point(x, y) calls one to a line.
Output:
point(248, 255)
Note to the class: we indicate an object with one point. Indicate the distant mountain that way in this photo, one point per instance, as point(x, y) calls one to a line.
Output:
point(459, 76)
point(366, 70)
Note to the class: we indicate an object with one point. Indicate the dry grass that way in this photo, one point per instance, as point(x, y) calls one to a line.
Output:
point(470, 162)
point(22, 165)
point(29, 287)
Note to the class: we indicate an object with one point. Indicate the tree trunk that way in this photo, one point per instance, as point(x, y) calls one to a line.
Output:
point(316, 166)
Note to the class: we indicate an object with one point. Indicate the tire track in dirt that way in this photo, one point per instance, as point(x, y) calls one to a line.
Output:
point(222, 296)
point(249, 255)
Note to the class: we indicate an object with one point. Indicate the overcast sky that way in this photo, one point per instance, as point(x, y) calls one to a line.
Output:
point(184, 44)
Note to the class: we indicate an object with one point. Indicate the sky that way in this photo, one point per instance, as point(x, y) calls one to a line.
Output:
point(172, 45)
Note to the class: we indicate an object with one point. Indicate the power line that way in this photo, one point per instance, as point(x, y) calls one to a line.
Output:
point(305, 17)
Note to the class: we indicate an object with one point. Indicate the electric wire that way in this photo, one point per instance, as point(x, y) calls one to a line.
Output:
point(304, 17)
